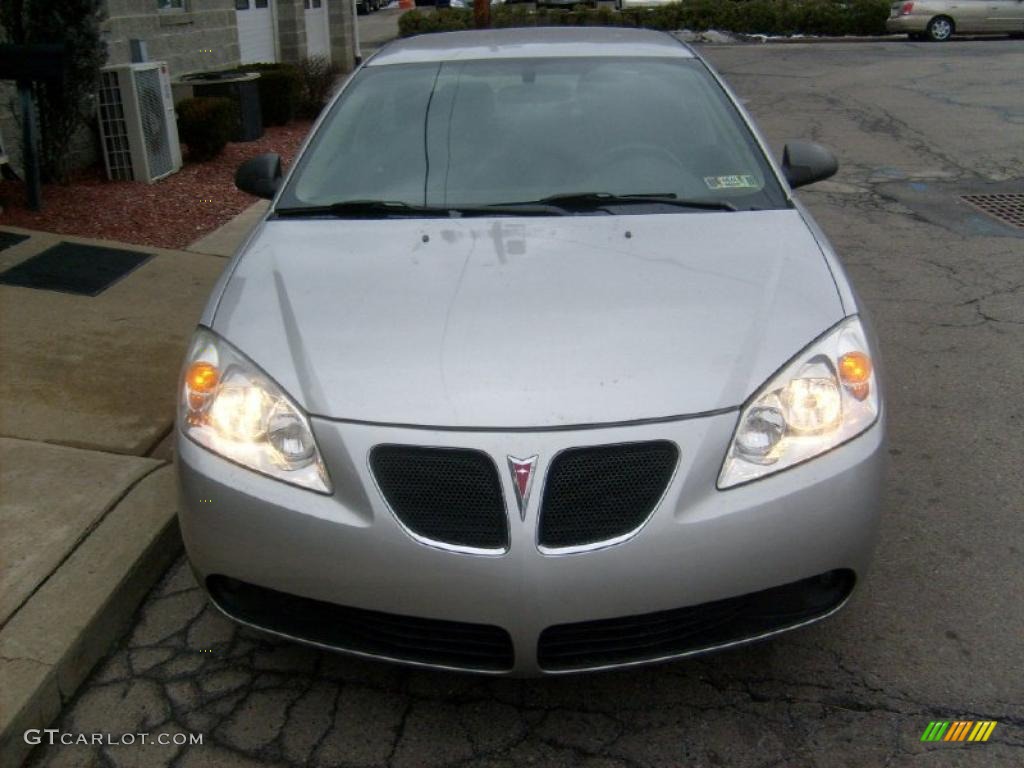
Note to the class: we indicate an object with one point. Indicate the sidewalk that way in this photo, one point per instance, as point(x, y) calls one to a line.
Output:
point(87, 493)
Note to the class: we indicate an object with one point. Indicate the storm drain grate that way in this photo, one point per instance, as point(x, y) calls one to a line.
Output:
point(1008, 207)
point(87, 270)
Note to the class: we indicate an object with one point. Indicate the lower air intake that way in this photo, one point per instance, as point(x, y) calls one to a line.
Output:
point(453, 644)
point(665, 634)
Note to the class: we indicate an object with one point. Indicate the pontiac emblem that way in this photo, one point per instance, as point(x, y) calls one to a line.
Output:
point(522, 480)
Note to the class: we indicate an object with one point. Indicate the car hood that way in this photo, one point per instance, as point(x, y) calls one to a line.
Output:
point(527, 322)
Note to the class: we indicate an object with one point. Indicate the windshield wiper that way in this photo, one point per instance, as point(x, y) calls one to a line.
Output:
point(363, 208)
point(589, 201)
point(555, 204)
point(382, 208)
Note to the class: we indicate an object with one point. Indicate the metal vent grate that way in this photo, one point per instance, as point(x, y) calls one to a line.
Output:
point(154, 122)
point(115, 128)
point(1007, 207)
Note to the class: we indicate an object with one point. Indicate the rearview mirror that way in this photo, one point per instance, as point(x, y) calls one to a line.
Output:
point(804, 162)
point(260, 175)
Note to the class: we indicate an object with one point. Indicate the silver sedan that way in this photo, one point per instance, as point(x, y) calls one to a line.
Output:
point(938, 20)
point(559, 376)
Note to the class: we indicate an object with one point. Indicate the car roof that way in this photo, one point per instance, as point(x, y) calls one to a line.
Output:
point(531, 42)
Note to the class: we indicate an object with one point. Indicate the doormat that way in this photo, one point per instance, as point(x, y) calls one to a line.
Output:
point(7, 239)
point(86, 270)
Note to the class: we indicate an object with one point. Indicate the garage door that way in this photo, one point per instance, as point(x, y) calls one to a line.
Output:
point(316, 28)
point(255, 31)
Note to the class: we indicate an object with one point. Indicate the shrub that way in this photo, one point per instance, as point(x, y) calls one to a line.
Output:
point(766, 17)
point(317, 76)
point(206, 124)
point(417, 22)
point(280, 90)
point(66, 106)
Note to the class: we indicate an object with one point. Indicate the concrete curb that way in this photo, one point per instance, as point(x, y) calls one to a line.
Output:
point(743, 38)
point(51, 644)
point(762, 40)
point(226, 239)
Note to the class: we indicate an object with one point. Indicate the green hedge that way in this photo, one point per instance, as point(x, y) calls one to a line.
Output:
point(280, 87)
point(766, 17)
point(206, 124)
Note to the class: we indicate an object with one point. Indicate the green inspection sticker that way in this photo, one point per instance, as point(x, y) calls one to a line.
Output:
point(739, 181)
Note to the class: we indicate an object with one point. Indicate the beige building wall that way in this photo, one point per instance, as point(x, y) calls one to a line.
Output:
point(291, 30)
point(203, 35)
point(200, 37)
point(342, 33)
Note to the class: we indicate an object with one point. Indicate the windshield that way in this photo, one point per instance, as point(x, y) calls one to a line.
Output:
point(471, 134)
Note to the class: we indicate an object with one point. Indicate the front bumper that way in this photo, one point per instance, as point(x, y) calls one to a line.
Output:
point(699, 546)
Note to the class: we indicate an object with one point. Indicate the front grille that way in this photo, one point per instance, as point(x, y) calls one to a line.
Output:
point(445, 495)
point(604, 492)
point(477, 647)
point(675, 632)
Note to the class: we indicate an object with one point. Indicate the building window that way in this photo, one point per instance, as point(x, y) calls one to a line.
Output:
point(170, 5)
point(261, 3)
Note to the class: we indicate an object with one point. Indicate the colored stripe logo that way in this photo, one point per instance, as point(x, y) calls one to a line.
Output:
point(958, 730)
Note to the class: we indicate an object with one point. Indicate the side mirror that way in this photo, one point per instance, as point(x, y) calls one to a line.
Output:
point(260, 175)
point(805, 162)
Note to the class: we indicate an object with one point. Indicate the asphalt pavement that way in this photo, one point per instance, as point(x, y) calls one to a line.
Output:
point(936, 631)
point(378, 28)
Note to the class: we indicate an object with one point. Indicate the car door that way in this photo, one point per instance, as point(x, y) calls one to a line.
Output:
point(969, 16)
point(1006, 15)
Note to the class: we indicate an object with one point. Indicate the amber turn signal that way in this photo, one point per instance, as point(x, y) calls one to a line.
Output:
point(201, 380)
point(202, 377)
point(855, 373)
point(855, 368)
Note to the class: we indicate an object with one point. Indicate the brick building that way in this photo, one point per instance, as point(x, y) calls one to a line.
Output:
point(199, 35)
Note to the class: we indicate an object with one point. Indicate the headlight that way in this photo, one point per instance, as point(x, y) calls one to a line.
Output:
point(232, 408)
point(825, 396)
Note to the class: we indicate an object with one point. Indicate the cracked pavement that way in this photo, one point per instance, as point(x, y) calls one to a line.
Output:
point(935, 632)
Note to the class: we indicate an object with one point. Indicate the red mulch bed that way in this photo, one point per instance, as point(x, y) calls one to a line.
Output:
point(170, 213)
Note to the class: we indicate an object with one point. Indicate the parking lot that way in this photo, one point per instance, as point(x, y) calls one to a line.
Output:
point(935, 633)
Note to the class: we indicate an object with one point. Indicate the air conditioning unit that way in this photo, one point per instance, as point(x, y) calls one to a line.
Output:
point(137, 122)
